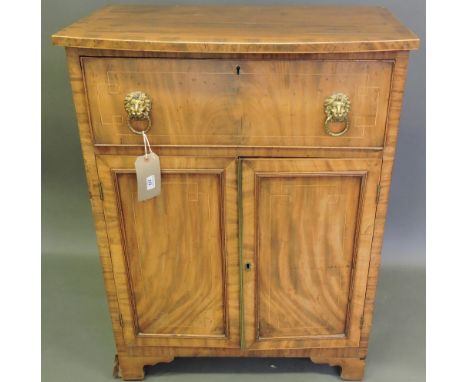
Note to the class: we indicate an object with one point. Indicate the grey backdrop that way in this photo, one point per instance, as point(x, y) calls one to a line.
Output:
point(77, 338)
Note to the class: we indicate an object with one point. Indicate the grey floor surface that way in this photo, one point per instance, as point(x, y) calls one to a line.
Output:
point(78, 345)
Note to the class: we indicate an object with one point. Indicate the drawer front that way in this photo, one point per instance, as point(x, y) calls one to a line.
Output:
point(239, 102)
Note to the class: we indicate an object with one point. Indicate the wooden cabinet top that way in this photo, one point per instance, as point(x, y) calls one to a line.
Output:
point(239, 29)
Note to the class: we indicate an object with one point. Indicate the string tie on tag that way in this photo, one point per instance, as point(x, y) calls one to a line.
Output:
point(147, 145)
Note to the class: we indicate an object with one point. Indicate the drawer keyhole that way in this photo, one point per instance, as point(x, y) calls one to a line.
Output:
point(238, 69)
point(248, 266)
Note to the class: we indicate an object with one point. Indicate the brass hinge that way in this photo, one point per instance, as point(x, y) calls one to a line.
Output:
point(121, 321)
point(101, 193)
point(377, 196)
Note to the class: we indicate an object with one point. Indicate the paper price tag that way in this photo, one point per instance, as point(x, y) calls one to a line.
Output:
point(148, 172)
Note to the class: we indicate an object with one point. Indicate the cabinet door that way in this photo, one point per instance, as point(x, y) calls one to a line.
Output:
point(175, 257)
point(307, 227)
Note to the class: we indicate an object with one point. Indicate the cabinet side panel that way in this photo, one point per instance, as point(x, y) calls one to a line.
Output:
point(79, 97)
point(393, 121)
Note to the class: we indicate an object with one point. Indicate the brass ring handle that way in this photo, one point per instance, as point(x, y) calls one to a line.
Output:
point(138, 106)
point(337, 134)
point(337, 108)
point(135, 131)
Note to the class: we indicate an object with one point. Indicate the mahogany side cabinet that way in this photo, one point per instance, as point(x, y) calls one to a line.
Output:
point(276, 129)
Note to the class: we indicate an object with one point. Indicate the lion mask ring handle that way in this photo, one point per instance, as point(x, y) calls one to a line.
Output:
point(337, 108)
point(138, 106)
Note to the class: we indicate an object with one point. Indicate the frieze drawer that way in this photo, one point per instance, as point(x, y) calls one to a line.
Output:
point(239, 102)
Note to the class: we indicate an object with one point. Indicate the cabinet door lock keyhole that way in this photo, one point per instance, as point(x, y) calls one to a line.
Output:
point(248, 266)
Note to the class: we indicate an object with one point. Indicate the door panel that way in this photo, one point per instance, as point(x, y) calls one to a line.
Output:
point(307, 230)
point(178, 251)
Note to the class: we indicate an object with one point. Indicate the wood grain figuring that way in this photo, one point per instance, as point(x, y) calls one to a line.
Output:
point(240, 29)
point(304, 271)
point(300, 260)
point(249, 176)
point(269, 103)
point(177, 236)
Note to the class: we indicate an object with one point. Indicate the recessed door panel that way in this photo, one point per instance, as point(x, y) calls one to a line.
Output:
point(305, 248)
point(175, 254)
